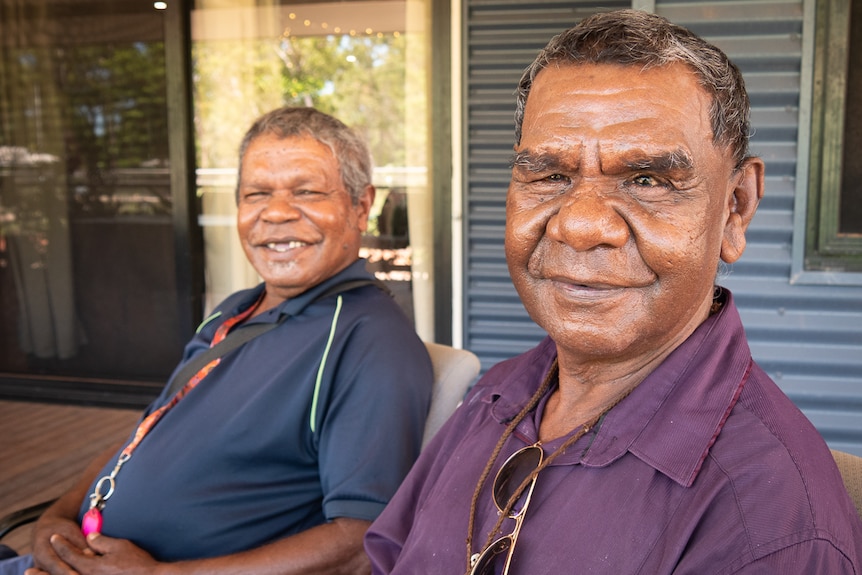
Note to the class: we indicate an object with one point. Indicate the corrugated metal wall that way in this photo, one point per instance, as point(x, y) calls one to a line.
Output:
point(808, 337)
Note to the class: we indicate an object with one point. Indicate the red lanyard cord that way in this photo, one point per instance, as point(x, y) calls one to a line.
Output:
point(92, 521)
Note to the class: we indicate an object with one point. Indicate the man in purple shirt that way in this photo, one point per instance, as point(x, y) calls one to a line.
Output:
point(640, 436)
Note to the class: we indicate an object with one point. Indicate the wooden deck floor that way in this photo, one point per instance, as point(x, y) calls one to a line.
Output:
point(43, 449)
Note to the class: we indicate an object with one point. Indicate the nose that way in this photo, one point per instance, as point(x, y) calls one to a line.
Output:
point(280, 207)
point(588, 219)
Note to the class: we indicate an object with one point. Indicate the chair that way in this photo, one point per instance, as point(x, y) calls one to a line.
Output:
point(850, 467)
point(22, 517)
point(454, 371)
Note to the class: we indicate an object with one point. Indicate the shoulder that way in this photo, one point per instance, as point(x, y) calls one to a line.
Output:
point(766, 426)
point(374, 312)
point(369, 337)
point(780, 478)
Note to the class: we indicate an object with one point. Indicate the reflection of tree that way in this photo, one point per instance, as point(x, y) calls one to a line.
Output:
point(33, 187)
point(358, 79)
point(308, 63)
point(369, 94)
point(116, 102)
point(113, 102)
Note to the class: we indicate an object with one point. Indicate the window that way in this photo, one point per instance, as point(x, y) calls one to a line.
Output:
point(113, 216)
point(834, 227)
point(88, 245)
point(365, 62)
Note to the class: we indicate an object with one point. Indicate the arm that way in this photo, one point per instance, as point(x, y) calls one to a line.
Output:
point(333, 548)
point(59, 548)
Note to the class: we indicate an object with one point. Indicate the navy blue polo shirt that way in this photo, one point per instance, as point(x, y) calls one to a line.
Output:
point(319, 418)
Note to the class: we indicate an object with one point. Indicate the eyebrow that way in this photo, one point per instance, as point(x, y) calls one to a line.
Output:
point(536, 162)
point(675, 160)
point(678, 159)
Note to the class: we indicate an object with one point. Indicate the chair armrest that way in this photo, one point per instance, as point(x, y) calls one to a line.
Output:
point(22, 517)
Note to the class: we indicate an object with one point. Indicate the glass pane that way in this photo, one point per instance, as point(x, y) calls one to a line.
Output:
point(851, 177)
point(363, 62)
point(87, 278)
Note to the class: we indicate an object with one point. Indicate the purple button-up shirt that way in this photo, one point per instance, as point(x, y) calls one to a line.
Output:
point(705, 468)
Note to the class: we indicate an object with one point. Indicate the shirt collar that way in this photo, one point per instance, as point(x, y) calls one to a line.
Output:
point(521, 383)
point(295, 305)
point(671, 419)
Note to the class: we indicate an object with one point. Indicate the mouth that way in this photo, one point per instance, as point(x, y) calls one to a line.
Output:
point(282, 247)
point(604, 279)
point(584, 283)
point(582, 286)
point(574, 286)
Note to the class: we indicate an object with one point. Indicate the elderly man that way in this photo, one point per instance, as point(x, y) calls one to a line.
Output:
point(640, 436)
point(276, 456)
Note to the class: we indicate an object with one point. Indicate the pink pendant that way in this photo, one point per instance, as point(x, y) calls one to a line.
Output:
point(92, 522)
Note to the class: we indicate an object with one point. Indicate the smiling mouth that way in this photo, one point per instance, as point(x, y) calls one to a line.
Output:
point(282, 247)
point(597, 287)
point(589, 287)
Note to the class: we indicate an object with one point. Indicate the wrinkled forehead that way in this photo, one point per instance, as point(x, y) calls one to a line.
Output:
point(616, 106)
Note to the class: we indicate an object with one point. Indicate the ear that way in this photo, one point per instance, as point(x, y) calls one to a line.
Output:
point(363, 206)
point(742, 202)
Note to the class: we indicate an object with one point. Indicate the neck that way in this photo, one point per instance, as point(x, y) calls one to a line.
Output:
point(577, 400)
point(265, 303)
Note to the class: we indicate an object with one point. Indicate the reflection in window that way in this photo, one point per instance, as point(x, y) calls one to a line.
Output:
point(86, 239)
point(363, 62)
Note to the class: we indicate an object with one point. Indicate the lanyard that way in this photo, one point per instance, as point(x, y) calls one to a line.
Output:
point(92, 520)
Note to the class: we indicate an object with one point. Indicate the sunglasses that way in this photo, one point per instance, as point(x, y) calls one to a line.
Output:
point(518, 468)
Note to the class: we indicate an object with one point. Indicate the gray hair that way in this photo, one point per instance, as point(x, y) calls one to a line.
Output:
point(636, 38)
point(349, 149)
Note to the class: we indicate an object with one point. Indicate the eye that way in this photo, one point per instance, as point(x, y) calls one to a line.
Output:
point(557, 178)
point(252, 194)
point(651, 188)
point(646, 181)
point(308, 192)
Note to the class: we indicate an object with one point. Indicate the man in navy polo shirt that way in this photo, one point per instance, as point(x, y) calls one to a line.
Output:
point(276, 457)
point(640, 436)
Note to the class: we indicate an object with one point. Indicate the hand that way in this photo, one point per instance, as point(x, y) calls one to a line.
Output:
point(45, 558)
point(104, 556)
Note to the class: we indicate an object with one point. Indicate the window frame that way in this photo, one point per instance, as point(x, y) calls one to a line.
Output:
point(133, 391)
point(822, 255)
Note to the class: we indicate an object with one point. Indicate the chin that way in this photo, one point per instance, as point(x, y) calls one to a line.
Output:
point(291, 283)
